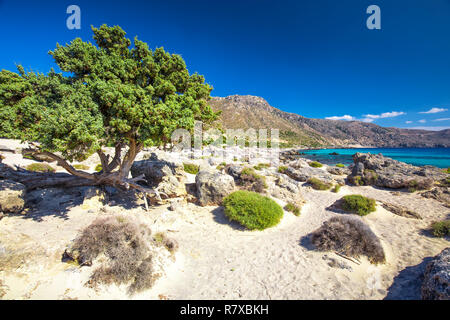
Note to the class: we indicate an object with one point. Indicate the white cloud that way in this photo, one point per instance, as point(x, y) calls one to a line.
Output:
point(422, 121)
point(430, 128)
point(345, 117)
point(434, 110)
point(373, 117)
point(408, 122)
point(442, 119)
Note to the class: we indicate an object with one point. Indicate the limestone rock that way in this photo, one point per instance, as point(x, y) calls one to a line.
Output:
point(212, 187)
point(12, 196)
point(436, 283)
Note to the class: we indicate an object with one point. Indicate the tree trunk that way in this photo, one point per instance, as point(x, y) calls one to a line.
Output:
point(76, 178)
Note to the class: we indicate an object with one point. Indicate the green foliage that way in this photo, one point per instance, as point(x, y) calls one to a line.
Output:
point(357, 180)
point(252, 210)
point(40, 167)
point(319, 185)
point(253, 181)
point(340, 165)
point(282, 169)
point(98, 167)
point(315, 164)
point(81, 166)
point(260, 166)
point(336, 188)
point(110, 93)
point(422, 184)
point(191, 168)
point(358, 204)
point(441, 228)
point(370, 177)
point(221, 166)
point(291, 207)
point(447, 170)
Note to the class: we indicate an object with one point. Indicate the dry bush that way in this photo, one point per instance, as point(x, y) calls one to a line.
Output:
point(348, 236)
point(124, 244)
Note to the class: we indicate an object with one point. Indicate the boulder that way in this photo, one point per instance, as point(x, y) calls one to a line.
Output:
point(377, 170)
point(337, 171)
point(441, 194)
point(212, 187)
point(12, 196)
point(400, 210)
point(304, 174)
point(436, 283)
point(167, 176)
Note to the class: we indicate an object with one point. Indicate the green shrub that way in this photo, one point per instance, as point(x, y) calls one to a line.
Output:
point(282, 169)
point(370, 177)
point(221, 166)
point(191, 168)
point(252, 181)
point(98, 167)
point(340, 165)
point(357, 181)
point(358, 204)
point(422, 184)
point(441, 228)
point(40, 167)
point(261, 166)
point(292, 208)
point(448, 170)
point(336, 188)
point(80, 166)
point(318, 184)
point(252, 210)
point(315, 164)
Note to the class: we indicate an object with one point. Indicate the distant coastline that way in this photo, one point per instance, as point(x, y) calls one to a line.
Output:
point(438, 157)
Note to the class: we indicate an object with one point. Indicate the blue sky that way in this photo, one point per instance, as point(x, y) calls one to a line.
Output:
point(316, 58)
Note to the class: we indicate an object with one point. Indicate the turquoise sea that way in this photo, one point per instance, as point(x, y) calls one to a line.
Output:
point(438, 157)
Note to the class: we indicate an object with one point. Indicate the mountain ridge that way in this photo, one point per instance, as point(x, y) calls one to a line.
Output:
point(247, 111)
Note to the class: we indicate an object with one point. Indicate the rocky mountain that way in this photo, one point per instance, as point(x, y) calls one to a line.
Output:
point(254, 112)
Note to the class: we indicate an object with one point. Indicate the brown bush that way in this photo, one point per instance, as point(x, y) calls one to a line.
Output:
point(349, 236)
point(124, 243)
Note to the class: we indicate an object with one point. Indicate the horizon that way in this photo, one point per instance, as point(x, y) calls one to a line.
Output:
point(316, 59)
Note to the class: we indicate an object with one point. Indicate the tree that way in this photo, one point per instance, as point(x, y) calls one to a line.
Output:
point(111, 94)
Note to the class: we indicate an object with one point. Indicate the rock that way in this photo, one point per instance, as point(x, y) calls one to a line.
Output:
point(304, 174)
point(212, 187)
point(234, 171)
point(334, 154)
point(377, 170)
point(400, 211)
point(441, 194)
point(12, 196)
point(337, 171)
point(436, 283)
point(167, 176)
point(287, 183)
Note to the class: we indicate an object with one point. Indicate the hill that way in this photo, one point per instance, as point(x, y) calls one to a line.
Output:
point(295, 130)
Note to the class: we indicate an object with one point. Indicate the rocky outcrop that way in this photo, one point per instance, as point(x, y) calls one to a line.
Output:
point(212, 187)
point(436, 283)
point(441, 194)
point(377, 170)
point(400, 210)
point(167, 176)
point(12, 196)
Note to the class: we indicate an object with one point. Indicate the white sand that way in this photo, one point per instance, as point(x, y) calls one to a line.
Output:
point(220, 260)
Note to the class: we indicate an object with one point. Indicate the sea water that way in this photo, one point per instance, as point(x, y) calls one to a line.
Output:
point(438, 157)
